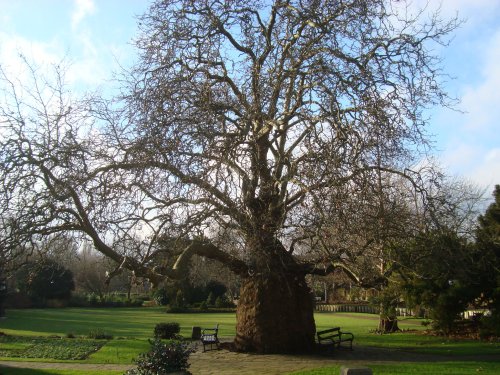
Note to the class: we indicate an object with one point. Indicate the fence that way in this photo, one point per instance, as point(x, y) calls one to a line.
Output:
point(360, 308)
point(351, 308)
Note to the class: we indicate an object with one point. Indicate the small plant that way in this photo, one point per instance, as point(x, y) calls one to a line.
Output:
point(99, 334)
point(179, 299)
point(163, 358)
point(203, 306)
point(210, 299)
point(219, 302)
point(166, 330)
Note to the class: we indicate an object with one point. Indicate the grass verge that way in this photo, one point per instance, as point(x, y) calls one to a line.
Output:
point(412, 368)
point(25, 371)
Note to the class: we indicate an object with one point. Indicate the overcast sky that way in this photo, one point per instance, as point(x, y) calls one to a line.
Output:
point(94, 36)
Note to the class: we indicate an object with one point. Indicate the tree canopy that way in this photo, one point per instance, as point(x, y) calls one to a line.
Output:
point(249, 133)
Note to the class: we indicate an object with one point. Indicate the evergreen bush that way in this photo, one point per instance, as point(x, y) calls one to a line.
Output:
point(163, 358)
point(166, 330)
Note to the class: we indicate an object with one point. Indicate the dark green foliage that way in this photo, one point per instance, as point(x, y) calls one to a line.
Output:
point(210, 299)
point(163, 358)
point(215, 289)
point(179, 299)
point(448, 305)
point(173, 309)
point(219, 302)
point(42, 347)
point(490, 326)
point(203, 306)
point(160, 296)
point(106, 300)
point(449, 274)
point(222, 302)
point(439, 276)
point(99, 334)
point(45, 279)
point(166, 330)
point(488, 253)
point(181, 294)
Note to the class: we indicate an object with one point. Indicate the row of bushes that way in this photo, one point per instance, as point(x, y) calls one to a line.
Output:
point(18, 300)
point(106, 300)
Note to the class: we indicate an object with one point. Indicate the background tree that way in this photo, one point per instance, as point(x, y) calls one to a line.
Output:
point(439, 276)
point(437, 265)
point(45, 279)
point(488, 253)
point(239, 118)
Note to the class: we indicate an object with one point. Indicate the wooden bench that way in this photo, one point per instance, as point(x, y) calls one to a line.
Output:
point(209, 336)
point(334, 338)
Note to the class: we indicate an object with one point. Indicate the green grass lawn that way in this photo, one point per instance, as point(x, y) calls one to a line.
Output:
point(131, 327)
point(120, 322)
point(413, 368)
point(25, 371)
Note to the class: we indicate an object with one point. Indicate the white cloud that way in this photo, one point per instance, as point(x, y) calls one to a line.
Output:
point(470, 141)
point(480, 99)
point(469, 9)
point(487, 172)
point(83, 8)
point(40, 53)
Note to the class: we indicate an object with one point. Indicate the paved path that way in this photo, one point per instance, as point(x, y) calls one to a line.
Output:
point(229, 363)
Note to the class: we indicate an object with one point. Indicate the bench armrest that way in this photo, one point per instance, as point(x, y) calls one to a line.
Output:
point(349, 334)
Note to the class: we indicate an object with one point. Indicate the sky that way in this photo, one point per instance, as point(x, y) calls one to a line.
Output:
point(95, 36)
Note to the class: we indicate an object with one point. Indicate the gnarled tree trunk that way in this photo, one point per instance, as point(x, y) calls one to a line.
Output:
point(388, 324)
point(275, 314)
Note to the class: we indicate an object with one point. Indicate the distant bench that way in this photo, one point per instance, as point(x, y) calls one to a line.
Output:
point(210, 336)
point(334, 338)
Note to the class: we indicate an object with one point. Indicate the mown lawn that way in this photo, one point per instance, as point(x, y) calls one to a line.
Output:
point(411, 339)
point(131, 327)
point(120, 322)
point(25, 371)
point(412, 368)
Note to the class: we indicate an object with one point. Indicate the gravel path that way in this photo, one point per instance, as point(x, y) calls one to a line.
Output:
point(225, 362)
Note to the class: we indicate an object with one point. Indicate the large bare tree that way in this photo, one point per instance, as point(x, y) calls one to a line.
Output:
point(243, 125)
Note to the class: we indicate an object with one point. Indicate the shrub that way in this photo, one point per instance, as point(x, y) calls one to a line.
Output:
point(210, 299)
point(166, 330)
point(92, 299)
point(489, 327)
point(203, 306)
point(45, 279)
point(222, 302)
point(176, 309)
point(179, 299)
point(160, 296)
point(219, 302)
point(163, 358)
point(99, 334)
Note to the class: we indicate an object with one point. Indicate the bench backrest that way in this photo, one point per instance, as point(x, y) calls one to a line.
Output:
point(211, 332)
point(328, 333)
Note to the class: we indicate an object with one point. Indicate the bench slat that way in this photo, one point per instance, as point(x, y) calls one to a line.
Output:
point(334, 337)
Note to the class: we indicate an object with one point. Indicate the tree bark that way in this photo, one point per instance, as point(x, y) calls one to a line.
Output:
point(388, 325)
point(275, 314)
